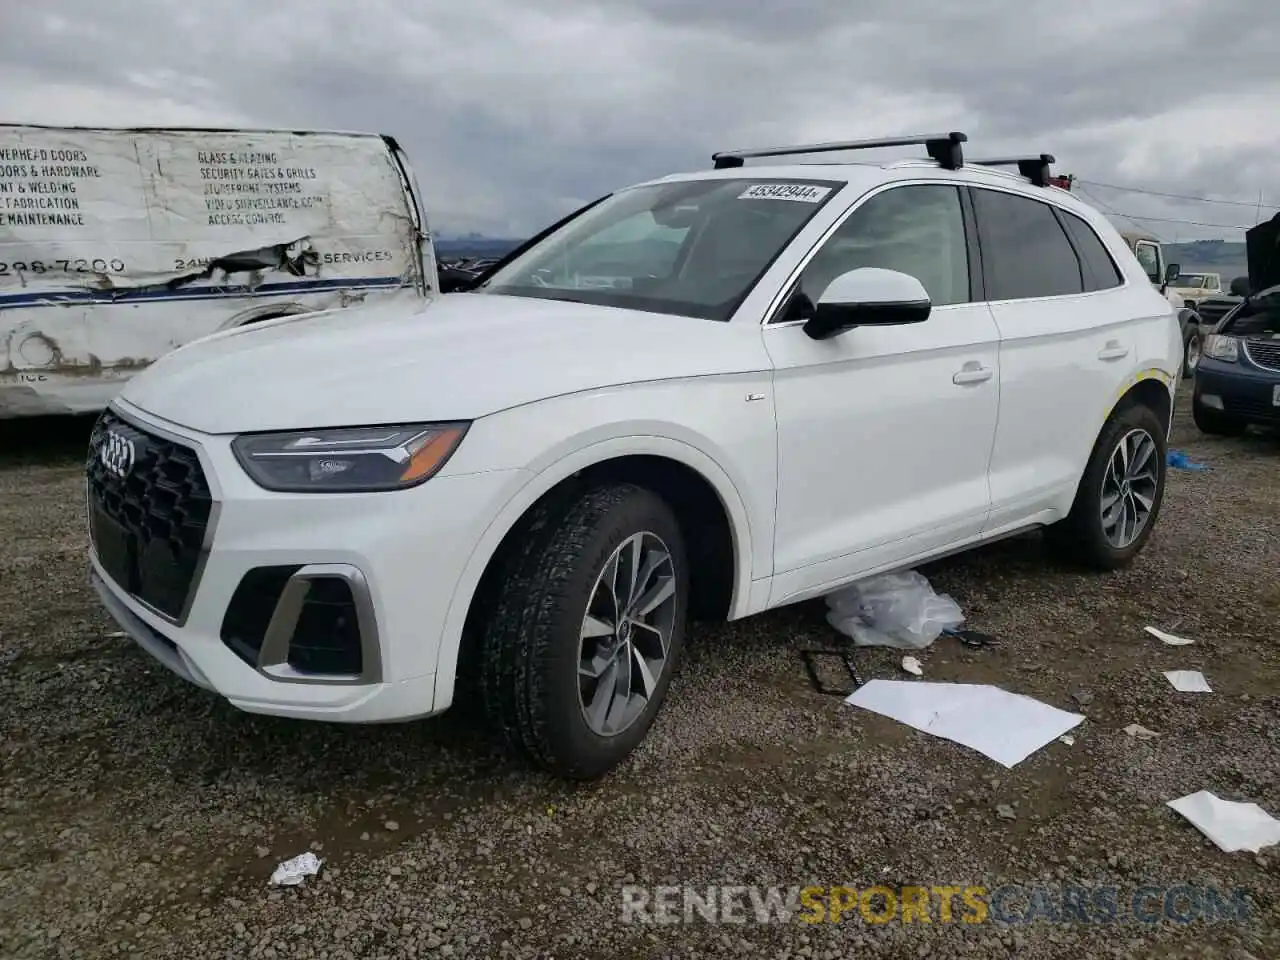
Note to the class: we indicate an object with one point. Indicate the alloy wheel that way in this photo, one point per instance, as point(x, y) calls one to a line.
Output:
point(1193, 352)
point(1129, 487)
point(625, 640)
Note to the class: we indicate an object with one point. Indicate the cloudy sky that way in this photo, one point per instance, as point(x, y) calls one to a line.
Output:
point(515, 111)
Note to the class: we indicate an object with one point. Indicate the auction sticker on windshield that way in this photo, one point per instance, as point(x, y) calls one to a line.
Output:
point(803, 192)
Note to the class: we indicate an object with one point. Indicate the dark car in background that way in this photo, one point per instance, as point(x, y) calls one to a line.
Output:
point(1237, 378)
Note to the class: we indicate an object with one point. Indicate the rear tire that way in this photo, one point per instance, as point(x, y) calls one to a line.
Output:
point(1216, 423)
point(1116, 506)
point(554, 600)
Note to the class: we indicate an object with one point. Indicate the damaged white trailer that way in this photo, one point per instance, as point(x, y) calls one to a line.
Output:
point(119, 245)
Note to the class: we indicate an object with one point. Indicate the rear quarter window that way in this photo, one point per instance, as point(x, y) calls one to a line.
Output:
point(1025, 251)
point(1100, 270)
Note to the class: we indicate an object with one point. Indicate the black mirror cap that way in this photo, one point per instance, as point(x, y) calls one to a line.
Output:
point(830, 319)
point(1240, 287)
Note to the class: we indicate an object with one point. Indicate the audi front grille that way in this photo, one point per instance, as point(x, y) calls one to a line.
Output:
point(149, 507)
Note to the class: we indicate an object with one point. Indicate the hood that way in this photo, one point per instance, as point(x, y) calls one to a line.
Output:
point(1262, 245)
point(460, 357)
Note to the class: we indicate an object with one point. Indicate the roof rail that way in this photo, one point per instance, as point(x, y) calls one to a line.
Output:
point(941, 147)
point(1035, 169)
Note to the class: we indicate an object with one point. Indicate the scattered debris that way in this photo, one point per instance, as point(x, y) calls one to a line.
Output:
point(1007, 727)
point(912, 666)
point(844, 654)
point(1082, 697)
point(1069, 740)
point(1232, 826)
point(1180, 461)
point(116, 635)
point(1188, 681)
point(972, 638)
point(1140, 732)
point(892, 610)
point(1168, 638)
point(1006, 812)
point(293, 872)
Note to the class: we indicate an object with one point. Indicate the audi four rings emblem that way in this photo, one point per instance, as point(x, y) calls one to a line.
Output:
point(117, 453)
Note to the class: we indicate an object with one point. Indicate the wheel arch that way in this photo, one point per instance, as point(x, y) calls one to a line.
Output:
point(703, 492)
point(1152, 387)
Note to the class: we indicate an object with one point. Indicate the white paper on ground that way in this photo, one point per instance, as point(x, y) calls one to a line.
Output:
point(1188, 681)
point(293, 872)
point(912, 666)
point(1007, 727)
point(1230, 825)
point(1169, 638)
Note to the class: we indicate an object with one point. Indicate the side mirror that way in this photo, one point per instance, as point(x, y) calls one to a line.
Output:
point(457, 280)
point(866, 297)
point(1171, 272)
point(1240, 287)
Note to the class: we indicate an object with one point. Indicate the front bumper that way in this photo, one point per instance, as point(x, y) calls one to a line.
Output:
point(1239, 390)
point(399, 556)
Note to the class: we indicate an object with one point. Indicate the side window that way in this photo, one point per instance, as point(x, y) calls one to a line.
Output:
point(1025, 250)
point(1100, 271)
point(1149, 257)
point(918, 230)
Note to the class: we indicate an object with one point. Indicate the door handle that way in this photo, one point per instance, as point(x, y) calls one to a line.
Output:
point(972, 372)
point(1113, 351)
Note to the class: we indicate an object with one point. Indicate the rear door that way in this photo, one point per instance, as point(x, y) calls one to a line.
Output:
point(1066, 348)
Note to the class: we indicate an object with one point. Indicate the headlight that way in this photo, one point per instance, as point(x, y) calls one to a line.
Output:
point(348, 460)
point(1222, 348)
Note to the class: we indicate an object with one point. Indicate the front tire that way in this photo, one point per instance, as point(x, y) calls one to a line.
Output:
point(1191, 353)
point(586, 631)
point(1119, 497)
point(1215, 423)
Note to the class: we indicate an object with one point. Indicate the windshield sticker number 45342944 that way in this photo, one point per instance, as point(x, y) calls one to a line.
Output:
point(801, 192)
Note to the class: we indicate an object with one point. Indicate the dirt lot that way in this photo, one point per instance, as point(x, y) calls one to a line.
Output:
point(140, 816)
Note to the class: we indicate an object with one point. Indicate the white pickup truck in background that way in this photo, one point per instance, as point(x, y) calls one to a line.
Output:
point(119, 245)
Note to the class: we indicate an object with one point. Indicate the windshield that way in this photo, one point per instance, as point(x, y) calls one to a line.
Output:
point(1191, 280)
point(1259, 317)
point(693, 248)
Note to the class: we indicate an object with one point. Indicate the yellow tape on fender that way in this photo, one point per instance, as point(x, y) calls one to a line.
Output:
point(1152, 373)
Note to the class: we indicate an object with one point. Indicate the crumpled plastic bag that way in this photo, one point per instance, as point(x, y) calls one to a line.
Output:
point(293, 871)
point(893, 610)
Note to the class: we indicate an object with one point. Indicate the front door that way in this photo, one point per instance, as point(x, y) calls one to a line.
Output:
point(884, 433)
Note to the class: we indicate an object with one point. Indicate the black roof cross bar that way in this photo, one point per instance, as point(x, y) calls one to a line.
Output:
point(1035, 169)
point(942, 147)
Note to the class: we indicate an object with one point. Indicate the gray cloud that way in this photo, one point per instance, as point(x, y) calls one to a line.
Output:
point(513, 112)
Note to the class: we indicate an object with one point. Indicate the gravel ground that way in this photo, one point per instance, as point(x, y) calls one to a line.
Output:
point(140, 816)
